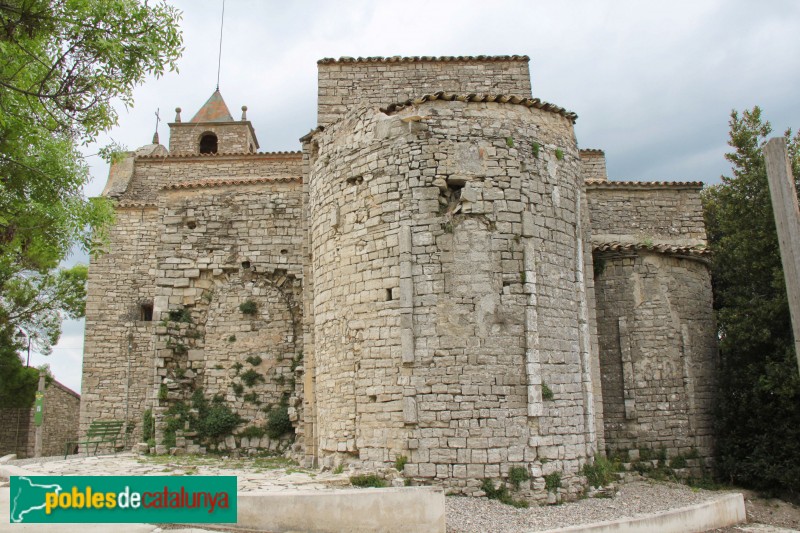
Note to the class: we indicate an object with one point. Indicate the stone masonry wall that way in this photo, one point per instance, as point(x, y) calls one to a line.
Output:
point(232, 137)
point(593, 165)
point(117, 381)
point(118, 343)
point(446, 294)
point(17, 431)
point(220, 247)
point(658, 352)
point(658, 213)
point(345, 84)
point(153, 173)
point(59, 424)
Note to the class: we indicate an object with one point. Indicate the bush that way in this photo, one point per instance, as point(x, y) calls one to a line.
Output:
point(148, 425)
point(250, 377)
point(601, 473)
point(218, 422)
point(679, 461)
point(367, 480)
point(501, 494)
point(518, 474)
point(253, 432)
point(552, 482)
point(400, 463)
point(254, 360)
point(547, 392)
point(249, 307)
point(181, 314)
point(278, 423)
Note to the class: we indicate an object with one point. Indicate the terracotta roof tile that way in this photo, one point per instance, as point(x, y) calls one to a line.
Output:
point(415, 59)
point(135, 204)
point(603, 184)
point(229, 181)
point(480, 98)
point(591, 151)
point(214, 110)
point(285, 155)
point(660, 248)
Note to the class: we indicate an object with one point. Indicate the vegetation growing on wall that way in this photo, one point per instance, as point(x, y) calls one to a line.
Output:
point(758, 421)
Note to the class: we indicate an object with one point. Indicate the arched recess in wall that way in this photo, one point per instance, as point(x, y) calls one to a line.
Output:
point(208, 143)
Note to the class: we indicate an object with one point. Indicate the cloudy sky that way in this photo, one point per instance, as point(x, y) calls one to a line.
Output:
point(653, 83)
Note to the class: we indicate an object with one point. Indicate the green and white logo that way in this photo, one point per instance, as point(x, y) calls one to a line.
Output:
point(123, 499)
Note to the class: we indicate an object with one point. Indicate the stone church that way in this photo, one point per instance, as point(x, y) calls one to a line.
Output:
point(440, 274)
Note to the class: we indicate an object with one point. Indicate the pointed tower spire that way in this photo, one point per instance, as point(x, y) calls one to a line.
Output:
point(214, 110)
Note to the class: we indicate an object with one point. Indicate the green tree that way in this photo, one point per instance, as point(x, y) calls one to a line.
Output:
point(63, 66)
point(759, 405)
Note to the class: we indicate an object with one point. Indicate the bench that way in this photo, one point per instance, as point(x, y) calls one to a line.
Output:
point(100, 431)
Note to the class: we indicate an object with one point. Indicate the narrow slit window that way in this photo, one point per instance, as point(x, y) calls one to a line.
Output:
point(146, 312)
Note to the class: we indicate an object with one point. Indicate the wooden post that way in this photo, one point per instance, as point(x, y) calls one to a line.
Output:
point(787, 221)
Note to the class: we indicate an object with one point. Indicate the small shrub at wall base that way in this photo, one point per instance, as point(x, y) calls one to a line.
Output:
point(678, 462)
point(518, 474)
point(601, 473)
point(148, 425)
point(253, 432)
point(400, 463)
point(552, 482)
point(367, 480)
point(278, 422)
point(501, 494)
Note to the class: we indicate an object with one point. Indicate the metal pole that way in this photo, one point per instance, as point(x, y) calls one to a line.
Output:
point(787, 221)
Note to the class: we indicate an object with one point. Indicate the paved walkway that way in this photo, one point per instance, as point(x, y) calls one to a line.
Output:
point(261, 474)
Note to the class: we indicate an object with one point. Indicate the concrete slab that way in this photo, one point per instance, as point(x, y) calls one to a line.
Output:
point(418, 509)
point(728, 510)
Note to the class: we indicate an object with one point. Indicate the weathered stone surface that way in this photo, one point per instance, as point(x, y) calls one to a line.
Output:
point(426, 290)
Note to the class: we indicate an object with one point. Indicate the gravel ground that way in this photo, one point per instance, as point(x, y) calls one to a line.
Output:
point(474, 515)
point(468, 515)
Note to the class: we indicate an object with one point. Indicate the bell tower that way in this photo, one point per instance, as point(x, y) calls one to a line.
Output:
point(212, 130)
